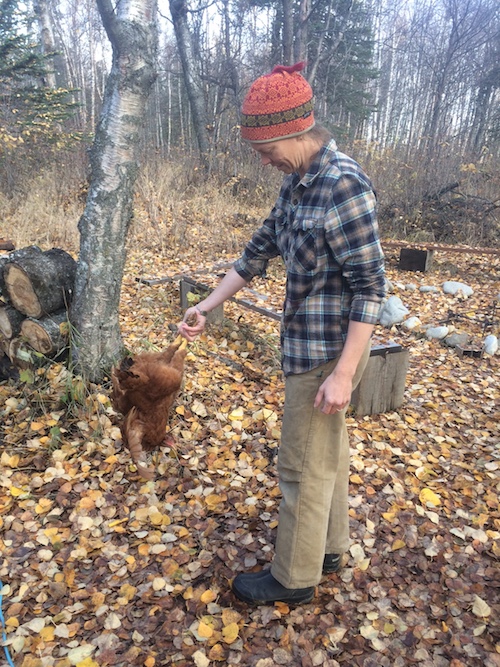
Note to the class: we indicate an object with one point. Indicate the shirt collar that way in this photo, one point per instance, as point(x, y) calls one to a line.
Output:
point(323, 157)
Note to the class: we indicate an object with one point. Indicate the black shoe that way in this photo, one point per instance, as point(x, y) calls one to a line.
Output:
point(262, 588)
point(332, 563)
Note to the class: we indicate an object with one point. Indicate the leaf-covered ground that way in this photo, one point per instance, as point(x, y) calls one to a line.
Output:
point(101, 568)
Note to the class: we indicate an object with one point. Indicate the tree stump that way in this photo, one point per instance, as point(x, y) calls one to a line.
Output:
point(40, 283)
point(10, 321)
point(44, 335)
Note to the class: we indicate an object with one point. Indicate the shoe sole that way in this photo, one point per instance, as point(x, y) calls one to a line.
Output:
point(251, 601)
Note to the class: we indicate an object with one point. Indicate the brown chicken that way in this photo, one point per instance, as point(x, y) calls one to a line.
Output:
point(144, 388)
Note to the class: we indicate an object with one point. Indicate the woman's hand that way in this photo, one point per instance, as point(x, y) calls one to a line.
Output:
point(193, 323)
point(334, 394)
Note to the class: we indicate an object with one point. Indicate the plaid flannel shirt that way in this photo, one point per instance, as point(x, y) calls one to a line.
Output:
point(324, 227)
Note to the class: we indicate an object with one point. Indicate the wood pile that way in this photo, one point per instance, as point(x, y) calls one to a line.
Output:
point(36, 288)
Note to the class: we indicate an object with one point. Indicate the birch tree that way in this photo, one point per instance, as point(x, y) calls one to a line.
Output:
point(130, 26)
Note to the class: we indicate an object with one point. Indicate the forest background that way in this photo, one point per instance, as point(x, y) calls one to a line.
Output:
point(100, 568)
point(411, 89)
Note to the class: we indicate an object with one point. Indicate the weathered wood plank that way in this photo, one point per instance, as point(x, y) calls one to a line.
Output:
point(383, 383)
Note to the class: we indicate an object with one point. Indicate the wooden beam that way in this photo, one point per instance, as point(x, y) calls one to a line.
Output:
point(441, 247)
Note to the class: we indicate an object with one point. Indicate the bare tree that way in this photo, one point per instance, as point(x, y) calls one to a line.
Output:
point(104, 224)
point(192, 75)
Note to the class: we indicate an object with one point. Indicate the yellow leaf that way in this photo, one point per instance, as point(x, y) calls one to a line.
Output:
point(180, 410)
point(128, 591)
point(356, 479)
point(47, 633)
point(428, 496)
point(397, 544)
point(213, 500)
point(16, 492)
point(43, 505)
point(12, 622)
point(149, 662)
point(36, 426)
point(88, 662)
point(143, 549)
point(230, 616)
point(208, 596)
point(236, 414)
point(230, 633)
point(205, 630)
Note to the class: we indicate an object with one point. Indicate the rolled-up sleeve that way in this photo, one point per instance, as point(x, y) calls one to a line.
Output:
point(352, 233)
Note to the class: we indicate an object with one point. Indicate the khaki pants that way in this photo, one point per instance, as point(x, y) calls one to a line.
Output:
point(313, 468)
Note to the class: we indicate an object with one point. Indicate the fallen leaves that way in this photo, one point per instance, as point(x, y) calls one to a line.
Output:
point(104, 569)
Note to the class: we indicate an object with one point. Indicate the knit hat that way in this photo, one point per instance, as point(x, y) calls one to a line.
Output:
point(278, 105)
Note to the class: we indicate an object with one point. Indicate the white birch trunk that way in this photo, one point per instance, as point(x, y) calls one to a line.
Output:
point(108, 212)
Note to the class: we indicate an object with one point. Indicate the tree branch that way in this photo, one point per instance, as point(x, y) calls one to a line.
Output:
point(108, 16)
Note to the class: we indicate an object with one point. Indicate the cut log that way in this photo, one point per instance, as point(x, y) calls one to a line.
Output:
point(10, 321)
point(4, 345)
point(29, 251)
point(44, 335)
point(40, 284)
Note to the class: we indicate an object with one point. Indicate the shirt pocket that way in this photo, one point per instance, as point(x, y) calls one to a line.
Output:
point(303, 250)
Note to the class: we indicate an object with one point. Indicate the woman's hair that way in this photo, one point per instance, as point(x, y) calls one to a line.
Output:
point(319, 133)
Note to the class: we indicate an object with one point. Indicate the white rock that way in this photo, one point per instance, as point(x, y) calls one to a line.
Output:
point(437, 332)
point(453, 287)
point(429, 288)
point(411, 323)
point(392, 311)
point(411, 287)
point(490, 344)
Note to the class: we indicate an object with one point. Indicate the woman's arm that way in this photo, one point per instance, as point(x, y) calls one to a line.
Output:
point(335, 392)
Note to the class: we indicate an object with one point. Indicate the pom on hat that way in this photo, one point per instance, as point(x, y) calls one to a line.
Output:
point(278, 105)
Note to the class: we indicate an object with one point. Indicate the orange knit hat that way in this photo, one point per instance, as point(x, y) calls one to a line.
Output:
point(278, 105)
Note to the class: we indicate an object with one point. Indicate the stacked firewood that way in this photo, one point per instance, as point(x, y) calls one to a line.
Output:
point(36, 288)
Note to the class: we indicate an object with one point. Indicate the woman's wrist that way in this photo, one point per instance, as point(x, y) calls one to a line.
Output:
point(202, 312)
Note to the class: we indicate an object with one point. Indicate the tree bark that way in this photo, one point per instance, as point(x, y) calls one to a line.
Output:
point(108, 212)
point(47, 34)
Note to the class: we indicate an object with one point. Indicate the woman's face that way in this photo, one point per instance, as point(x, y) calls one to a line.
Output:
point(287, 155)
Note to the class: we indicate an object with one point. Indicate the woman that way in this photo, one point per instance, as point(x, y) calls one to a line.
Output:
point(324, 227)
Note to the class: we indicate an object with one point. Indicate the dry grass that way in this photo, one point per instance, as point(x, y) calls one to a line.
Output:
point(174, 200)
